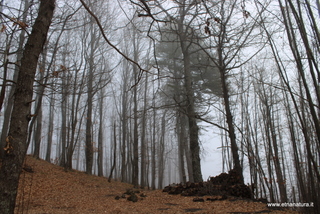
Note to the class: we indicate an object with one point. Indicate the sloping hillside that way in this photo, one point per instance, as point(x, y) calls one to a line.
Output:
point(50, 189)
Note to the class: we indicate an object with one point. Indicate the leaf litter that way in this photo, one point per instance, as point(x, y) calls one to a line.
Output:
point(49, 189)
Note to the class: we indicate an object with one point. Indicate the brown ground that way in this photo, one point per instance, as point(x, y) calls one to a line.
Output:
point(50, 189)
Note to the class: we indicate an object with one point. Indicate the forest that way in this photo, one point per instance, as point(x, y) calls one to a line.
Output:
point(141, 91)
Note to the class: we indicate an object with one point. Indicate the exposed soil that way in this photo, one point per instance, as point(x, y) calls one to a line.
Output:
point(46, 188)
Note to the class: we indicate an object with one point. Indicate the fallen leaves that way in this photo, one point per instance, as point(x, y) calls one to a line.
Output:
point(51, 189)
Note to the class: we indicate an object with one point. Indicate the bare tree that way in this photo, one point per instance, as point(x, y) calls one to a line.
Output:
point(15, 149)
point(231, 29)
point(303, 97)
point(7, 112)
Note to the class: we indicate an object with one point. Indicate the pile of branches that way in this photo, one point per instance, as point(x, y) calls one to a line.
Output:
point(225, 184)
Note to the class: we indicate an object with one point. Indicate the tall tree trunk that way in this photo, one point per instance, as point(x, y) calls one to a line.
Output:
point(161, 156)
point(15, 149)
point(89, 143)
point(114, 151)
point(114, 162)
point(9, 106)
point(190, 103)
point(38, 110)
point(100, 135)
point(64, 114)
point(231, 131)
point(143, 164)
point(135, 174)
point(37, 135)
point(302, 71)
point(50, 129)
point(228, 113)
point(63, 135)
point(153, 148)
point(74, 135)
point(124, 121)
point(181, 132)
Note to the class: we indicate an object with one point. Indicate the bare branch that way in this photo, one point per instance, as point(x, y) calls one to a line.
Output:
point(113, 46)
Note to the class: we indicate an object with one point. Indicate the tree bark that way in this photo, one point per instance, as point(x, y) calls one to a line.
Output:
point(50, 129)
point(63, 134)
point(181, 126)
point(231, 130)
point(100, 135)
point(190, 108)
point(135, 174)
point(124, 124)
point(9, 106)
point(37, 134)
point(153, 146)
point(89, 143)
point(225, 91)
point(161, 151)
point(38, 111)
point(16, 147)
point(114, 150)
point(143, 163)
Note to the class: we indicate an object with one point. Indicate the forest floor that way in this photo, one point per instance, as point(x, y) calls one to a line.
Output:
point(51, 189)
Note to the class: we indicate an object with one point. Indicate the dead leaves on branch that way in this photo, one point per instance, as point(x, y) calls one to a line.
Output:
point(3, 28)
point(19, 23)
point(60, 70)
point(246, 15)
point(15, 22)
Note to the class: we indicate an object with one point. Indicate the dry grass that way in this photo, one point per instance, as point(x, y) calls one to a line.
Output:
point(50, 189)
